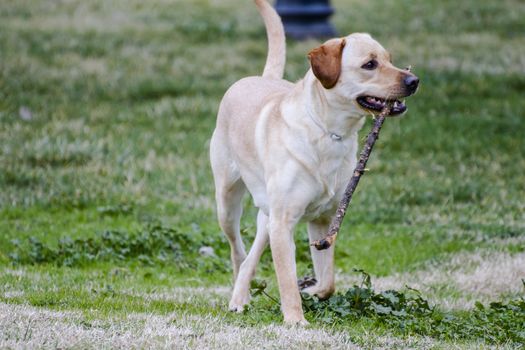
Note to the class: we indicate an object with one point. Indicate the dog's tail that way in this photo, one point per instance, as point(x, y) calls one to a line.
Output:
point(276, 59)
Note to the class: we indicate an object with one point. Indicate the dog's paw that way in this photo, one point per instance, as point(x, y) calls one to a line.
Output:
point(236, 308)
point(296, 322)
point(320, 291)
point(303, 323)
point(238, 304)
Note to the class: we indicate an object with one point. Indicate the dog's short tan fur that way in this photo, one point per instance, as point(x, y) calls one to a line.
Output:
point(293, 147)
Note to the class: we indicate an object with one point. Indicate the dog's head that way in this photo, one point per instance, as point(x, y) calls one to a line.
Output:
point(358, 69)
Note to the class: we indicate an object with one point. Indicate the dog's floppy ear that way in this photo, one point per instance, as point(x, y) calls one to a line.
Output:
point(326, 61)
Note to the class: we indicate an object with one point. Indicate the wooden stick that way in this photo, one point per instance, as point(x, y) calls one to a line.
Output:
point(326, 242)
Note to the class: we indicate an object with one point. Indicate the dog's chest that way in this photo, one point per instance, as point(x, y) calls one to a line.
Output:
point(335, 160)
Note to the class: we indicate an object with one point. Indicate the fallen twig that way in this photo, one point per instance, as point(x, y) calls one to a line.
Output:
point(326, 242)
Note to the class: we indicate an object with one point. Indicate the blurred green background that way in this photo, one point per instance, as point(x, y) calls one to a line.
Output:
point(107, 108)
point(111, 104)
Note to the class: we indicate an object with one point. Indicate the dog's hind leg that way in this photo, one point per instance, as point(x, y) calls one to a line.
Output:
point(229, 192)
point(323, 261)
point(241, 291)
point(229, 210)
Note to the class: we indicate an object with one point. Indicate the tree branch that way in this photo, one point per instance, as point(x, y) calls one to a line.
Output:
point(335, 225)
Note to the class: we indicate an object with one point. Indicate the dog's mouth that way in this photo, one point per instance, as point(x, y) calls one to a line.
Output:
point(376, 104)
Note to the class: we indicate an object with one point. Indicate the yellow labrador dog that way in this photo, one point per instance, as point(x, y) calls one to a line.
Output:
point(293, 147)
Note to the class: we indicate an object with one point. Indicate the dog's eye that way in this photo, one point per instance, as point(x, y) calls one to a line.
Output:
point(370, 65)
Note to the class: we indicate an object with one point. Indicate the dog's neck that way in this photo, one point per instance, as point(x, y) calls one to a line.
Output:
point(334, 116)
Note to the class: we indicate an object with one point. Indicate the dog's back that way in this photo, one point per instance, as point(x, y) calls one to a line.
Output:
point(245, 97)
point(243, 101)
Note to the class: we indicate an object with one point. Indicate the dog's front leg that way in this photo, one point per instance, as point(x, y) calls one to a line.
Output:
point(323, 261)
point(282, 223)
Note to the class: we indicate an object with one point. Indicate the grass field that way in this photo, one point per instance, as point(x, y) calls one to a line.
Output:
point(106, 195)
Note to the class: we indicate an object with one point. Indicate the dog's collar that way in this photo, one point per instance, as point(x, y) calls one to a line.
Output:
point(335, 137)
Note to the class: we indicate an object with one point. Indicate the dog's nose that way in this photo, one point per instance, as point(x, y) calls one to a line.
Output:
point(411, 83)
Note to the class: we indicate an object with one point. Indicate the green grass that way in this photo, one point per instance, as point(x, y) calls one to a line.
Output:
point(122, 98)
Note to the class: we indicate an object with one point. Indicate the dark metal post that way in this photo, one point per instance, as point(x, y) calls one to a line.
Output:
point(304, 19)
